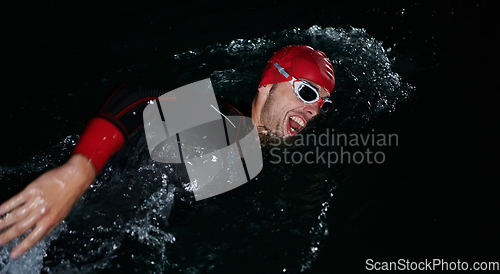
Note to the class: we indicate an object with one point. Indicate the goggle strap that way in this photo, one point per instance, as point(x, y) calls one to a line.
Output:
point(282, 70)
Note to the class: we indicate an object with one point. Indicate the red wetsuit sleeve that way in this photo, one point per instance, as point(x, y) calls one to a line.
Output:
point(100, 140)
point(120, 117)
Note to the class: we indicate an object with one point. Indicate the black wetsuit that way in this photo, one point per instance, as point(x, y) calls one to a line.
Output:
point(125, 107)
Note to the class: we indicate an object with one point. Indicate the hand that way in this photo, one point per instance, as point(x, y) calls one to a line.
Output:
point(45, 202)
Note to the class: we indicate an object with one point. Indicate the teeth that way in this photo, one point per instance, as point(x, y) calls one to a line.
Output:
point(299, 121)
point(291, 129)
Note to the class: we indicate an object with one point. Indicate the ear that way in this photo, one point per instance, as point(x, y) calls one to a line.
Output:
point(258, 102)
point(264, 90)
point(261, 96)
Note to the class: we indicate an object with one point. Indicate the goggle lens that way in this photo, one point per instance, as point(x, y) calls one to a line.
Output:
point(308, 94)
point(311, 95)
point(326, 106)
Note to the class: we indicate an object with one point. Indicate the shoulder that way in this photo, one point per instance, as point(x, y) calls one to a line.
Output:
point(227, 108)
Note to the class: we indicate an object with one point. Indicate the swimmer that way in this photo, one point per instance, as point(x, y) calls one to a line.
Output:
point(294, 88)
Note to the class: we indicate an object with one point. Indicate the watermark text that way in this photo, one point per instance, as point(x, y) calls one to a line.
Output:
point(434, 264)
point(332, 148)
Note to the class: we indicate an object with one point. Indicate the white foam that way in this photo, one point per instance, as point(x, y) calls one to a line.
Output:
point(32, 260)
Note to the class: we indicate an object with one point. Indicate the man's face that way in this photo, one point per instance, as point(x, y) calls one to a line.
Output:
point(284, 114)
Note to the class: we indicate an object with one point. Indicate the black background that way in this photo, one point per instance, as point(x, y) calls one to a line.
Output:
point(448, 206)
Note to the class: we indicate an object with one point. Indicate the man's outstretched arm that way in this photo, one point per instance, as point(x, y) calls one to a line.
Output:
point(46, 201)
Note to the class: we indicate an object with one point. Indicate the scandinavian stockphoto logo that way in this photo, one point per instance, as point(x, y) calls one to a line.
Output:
point(333, 148)
point(186, 126)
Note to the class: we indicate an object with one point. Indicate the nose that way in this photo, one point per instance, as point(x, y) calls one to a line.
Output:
point(311, 109)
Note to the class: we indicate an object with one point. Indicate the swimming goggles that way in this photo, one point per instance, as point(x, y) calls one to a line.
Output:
point(305, 91)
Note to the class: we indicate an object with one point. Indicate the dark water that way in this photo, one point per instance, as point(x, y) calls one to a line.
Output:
point(404, 68)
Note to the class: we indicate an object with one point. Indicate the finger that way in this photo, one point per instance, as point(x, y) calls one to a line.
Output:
point(19, 228)
point(12, 203)
point(36, 235)
point(14, 216)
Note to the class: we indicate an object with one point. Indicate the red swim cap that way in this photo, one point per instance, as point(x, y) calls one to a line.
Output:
point(300, 62)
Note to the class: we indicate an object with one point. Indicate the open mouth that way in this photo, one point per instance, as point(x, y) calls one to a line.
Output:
point(295, 124)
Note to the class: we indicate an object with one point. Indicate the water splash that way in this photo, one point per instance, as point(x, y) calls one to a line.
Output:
point(40, 162)
point(318, 232)
point(366, 85)
point(138, 216)
point(32, 260)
